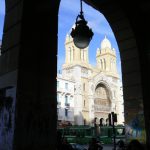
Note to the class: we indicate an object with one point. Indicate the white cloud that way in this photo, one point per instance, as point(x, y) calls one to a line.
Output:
point(2, 7)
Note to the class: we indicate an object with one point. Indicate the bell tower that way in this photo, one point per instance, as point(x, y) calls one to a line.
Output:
point(77, 68)
point(74, 55)
point(106, 57)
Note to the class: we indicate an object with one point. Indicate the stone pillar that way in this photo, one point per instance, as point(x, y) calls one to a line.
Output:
point(9, 72)
point(145, 54)
point(29, 65)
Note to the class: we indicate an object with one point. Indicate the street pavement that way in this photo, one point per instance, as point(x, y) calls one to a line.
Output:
point(107, 147)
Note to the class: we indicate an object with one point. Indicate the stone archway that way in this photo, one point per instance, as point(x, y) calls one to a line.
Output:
point(127, 32)
point(27, 47)
point(102, 102)
point(29, 63)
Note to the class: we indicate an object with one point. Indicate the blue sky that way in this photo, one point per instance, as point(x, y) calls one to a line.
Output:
point(68, 11)
point(2, 13)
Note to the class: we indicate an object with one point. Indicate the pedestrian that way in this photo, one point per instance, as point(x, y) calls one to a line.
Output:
point(62, 143)
point(135, 145)
point(95, 145)
point(59, 140)
point(65, 145)
point(121, 145)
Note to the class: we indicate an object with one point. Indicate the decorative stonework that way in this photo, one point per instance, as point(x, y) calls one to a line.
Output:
point(96, 85)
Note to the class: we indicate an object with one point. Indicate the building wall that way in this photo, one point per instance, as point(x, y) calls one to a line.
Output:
point(65, 100)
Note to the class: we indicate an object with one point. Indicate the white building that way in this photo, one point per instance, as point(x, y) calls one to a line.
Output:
point(65, 100)
point(96, 88)
point(121, 104)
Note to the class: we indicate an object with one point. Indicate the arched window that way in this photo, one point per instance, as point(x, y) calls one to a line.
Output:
point(101, 64)
point(72, 56)
point(111, 65)
point(83, 86)
point(81, 54)
point(114, 65)
point(104, 64)
point(102, 92)
point(69, 54)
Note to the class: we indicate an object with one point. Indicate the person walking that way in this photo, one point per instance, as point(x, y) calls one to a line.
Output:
point(95, 145)
point(65, 145)
point(135, 145)
point(121, 145)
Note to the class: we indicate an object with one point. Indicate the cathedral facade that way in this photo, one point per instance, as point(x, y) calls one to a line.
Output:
point(97, 89)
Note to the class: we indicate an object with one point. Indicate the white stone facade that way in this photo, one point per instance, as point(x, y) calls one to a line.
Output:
point(65, 100)
point(97, 89)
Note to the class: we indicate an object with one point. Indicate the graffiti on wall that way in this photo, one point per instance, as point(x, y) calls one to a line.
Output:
point(135, 125)
point(7, 110)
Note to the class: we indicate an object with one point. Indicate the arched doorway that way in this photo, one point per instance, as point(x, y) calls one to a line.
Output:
point(102, 102)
